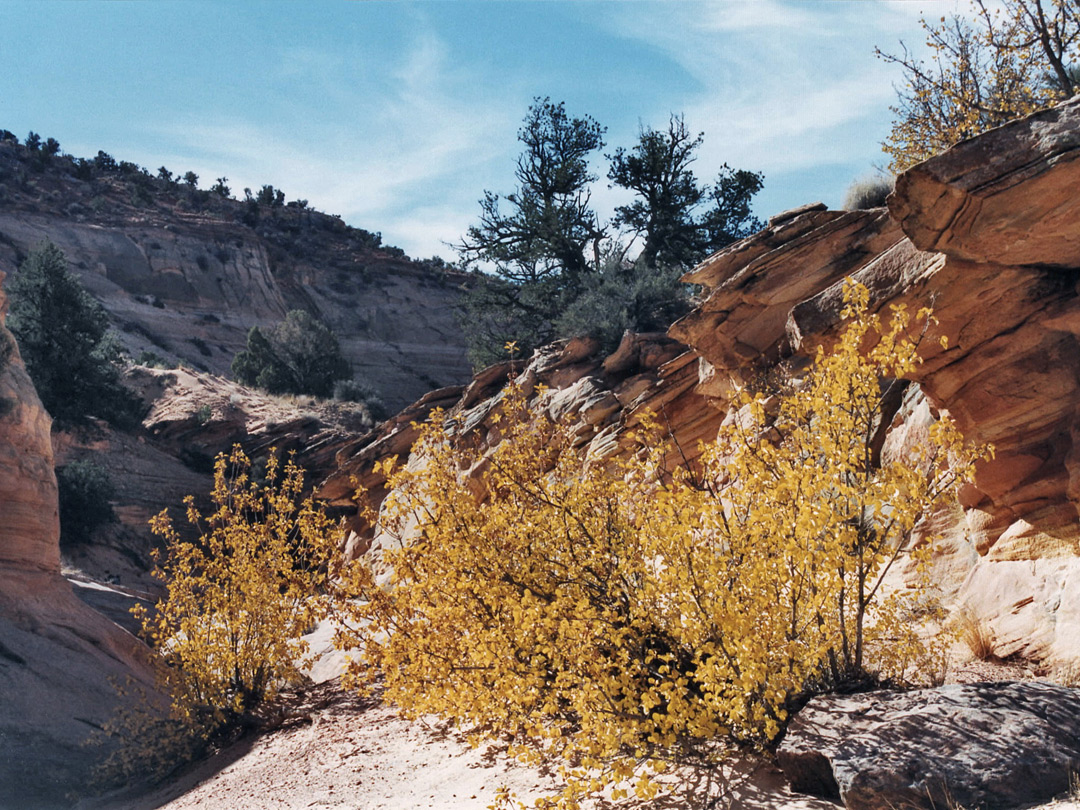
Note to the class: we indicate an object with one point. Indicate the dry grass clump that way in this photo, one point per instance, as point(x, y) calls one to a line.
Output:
point(976, 635)
point(867, 192)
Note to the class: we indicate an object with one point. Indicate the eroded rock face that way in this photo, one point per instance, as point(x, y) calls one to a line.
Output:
point(988, 234)
point(58, 658)
point(599, 397)
point(31, 524)
point(1009, 194)
point(991, 745)
point(190, 290)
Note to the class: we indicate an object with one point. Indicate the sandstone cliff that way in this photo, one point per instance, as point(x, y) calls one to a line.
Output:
point(986, 233)
point(57, 656)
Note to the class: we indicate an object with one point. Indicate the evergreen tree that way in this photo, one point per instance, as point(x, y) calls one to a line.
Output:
point(298, 356)
point(64, 339)
point(556, 271)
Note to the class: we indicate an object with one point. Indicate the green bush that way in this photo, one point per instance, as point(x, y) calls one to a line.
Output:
point(85, 490)
point(152, 360)
point(298, 356)
point(635, 297)
point(63, 334)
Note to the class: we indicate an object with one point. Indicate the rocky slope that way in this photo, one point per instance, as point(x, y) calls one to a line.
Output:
point(57, 656)
point(190, 418)
point(986, 233)
point(184, 273)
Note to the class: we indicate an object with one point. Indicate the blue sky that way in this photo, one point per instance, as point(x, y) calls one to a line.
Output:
point(397, 115)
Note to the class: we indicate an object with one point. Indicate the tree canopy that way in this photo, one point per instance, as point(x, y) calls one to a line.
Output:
point(998, 63)
point(669, 198)
point(63, 336)
point(548, 248)
point(298, 356)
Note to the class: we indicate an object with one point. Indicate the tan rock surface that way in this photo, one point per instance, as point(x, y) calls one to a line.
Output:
point(57, 656)
point(1008, 193)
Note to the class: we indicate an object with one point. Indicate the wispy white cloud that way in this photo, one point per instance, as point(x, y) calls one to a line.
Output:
point(783, 87)
point(406, 145)
point(379, 167)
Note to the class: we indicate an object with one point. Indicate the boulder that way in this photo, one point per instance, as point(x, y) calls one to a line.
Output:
point(1008, 193)
point(989, 745)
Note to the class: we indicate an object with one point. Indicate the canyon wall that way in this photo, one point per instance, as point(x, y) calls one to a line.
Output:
point(988, 235)
point(184, 274)
point(58, 657)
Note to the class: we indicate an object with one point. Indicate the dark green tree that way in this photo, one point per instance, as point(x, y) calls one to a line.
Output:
point(85, 491)
point(221, 187)
point(667, 213)
point(658, 171)
point(546, 245)
point(63, 335)
point(104, 162)
point(542, 239)
point(270, 196)
point(729, 218)
point(298, 356)
point(549, 230)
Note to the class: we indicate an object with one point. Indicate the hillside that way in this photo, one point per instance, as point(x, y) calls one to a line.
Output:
point(185, 272)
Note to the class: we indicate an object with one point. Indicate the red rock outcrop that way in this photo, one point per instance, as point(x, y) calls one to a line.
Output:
point(57, 656)
point(988, 234)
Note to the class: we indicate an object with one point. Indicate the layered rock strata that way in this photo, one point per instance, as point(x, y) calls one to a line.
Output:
point(988, 235)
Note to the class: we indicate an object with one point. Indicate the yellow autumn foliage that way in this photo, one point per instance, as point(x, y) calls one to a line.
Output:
point(617, 616)
point(240, 597)
point(999, 62)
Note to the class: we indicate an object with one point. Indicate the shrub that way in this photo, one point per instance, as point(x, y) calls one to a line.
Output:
point(239, 599)
point(615, 617)
point(227, 634)
point(104, 162)
point(64, 339)
point(868, 192)
point(638, 297)
point(152, 359)
point(976, 635)
point(298, 356)
point(358, 391)
point(85, 491)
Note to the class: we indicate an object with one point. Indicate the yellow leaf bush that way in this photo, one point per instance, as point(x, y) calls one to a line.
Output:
point(616, 616)
point(227, 635)
point(240, 597)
